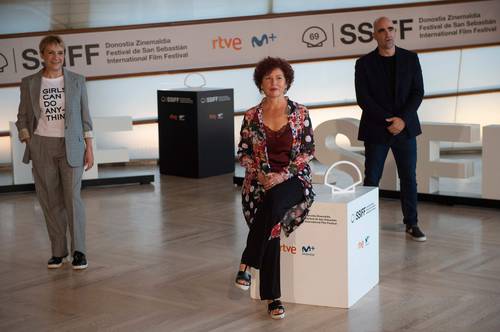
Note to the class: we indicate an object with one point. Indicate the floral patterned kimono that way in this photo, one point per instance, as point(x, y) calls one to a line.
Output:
point(252, 154)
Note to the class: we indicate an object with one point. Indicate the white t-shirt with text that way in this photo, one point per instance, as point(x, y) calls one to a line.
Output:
point(52, 108)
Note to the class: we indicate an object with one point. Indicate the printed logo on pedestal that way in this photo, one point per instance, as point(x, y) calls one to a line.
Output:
point(365, 242)
point(176, 100)
point(214, 99)
point(361, 212)
point(288, 249)
point(321, 219)
point(218, 116)
point(177, 117)
point(308, 250)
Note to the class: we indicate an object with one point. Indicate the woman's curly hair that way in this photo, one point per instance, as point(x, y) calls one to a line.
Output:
point(267, 65)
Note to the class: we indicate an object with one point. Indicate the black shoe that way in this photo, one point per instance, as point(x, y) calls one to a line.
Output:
point(243, 279)
point(79, 261)
point(415, 233)
point(276, 309)
point(55, 262)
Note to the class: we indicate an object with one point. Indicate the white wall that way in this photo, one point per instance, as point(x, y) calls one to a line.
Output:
point(329, 81)
point(320, 82)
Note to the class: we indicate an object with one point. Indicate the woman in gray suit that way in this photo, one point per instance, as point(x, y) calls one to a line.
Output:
point(54, 122)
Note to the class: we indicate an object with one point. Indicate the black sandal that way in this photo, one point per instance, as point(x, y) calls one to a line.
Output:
point(245, 277)
point(276, 305)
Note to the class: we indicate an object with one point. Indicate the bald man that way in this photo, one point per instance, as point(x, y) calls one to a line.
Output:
point(389, 90)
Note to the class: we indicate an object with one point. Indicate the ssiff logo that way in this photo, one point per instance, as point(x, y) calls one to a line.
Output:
point(364, 243)
point(265, 39)
point(358, 215)
point(179, 100)
point(215, 99)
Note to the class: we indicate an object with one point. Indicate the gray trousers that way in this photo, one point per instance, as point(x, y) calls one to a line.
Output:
point(58, 189)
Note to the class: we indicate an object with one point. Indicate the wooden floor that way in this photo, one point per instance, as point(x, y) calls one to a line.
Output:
point(162, 257)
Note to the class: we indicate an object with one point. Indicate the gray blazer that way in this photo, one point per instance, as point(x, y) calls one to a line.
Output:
point(78, 123)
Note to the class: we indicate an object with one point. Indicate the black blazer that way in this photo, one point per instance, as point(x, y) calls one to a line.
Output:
point(373, 95)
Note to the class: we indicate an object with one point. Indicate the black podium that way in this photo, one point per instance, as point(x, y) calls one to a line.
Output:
point(196, 131)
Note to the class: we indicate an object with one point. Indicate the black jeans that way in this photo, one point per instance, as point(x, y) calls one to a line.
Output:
point(262, 252)
point(405, 154)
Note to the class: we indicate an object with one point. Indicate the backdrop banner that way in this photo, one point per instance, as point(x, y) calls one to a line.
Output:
point(101, 54)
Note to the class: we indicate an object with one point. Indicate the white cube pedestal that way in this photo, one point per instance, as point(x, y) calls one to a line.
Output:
point(333, 258)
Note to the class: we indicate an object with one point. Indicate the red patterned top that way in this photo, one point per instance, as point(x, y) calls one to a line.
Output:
point(279, 145)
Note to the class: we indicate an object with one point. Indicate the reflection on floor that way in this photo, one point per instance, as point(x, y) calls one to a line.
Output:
point(105, 171)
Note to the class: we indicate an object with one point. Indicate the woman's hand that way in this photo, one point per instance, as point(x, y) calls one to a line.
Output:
point(262, 179)
point(88, 160)
point(269, 180)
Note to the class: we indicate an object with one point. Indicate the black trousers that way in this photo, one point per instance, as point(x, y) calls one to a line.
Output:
point(405, 154)
point(261, 252)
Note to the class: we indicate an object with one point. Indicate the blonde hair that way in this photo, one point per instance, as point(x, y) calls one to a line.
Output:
point(49, 40)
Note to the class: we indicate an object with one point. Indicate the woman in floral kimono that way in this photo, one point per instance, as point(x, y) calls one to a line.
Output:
point(275, 148)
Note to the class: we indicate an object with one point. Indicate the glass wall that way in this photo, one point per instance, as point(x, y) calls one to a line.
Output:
point(43, 15)
point(286, 6)
point(30, 16)
point(316, 82)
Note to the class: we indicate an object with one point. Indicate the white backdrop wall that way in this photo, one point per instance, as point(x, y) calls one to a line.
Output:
point(318, 82)
point(330, 81)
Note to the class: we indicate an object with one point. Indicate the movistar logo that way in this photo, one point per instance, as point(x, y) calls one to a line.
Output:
point(308, 250)
point(265, 39)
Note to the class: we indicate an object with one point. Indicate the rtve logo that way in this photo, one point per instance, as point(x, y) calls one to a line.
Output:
point(234, 43)
point(288, 249)
point(364, 243)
